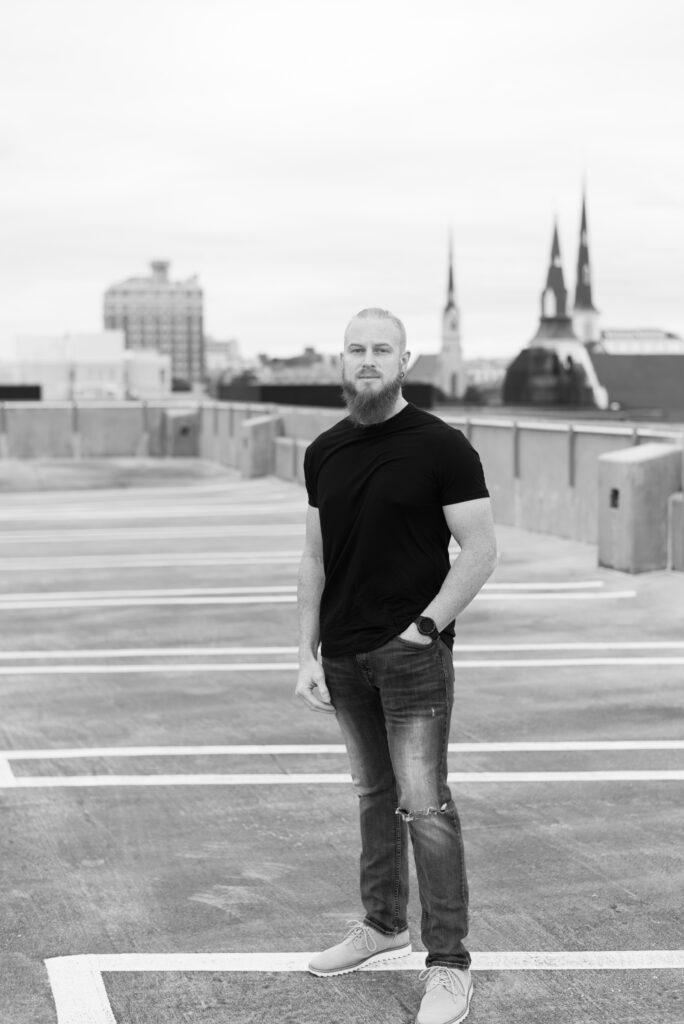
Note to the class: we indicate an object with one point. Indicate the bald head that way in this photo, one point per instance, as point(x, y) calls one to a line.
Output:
point(375, 313)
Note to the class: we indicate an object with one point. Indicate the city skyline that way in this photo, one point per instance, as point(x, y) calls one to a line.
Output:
point(307, 162)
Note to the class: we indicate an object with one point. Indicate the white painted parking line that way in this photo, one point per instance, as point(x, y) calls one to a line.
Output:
point(292, 666)
point(271, 598)
point(267, 749)
point(320, 779)
point(80, 996)
point(66, 513)
point(147, 533)
point(152, 560)
point(271, 588)
point(192, 652)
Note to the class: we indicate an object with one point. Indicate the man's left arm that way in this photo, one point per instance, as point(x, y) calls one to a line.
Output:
point(472, 526)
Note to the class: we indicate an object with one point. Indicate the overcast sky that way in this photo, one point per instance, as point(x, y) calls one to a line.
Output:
point(306, 159)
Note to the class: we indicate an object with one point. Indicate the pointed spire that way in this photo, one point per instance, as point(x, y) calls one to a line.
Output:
point(451, 300)
point(554, 296)
point(583, 299)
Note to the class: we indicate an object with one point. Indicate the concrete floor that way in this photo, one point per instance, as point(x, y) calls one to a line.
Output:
point(554, 865)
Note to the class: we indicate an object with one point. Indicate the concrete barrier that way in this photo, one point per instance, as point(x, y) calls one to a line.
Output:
point(36, 431)
point(258, 445)
point(111, 430)
point(181, 433)
point(635, 486)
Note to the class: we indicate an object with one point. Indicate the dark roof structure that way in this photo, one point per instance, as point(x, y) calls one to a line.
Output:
point(642, 381)
point(425, 369)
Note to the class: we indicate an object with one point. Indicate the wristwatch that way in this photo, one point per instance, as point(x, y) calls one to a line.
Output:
point(427, 626)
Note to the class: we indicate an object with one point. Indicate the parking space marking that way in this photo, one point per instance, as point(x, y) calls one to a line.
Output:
point(78, 513)
point(292, 666)
point(160, 560)
point(190, 652)
point(321, 779)
point(267, 749)
point(269, 594)
point(80, 996)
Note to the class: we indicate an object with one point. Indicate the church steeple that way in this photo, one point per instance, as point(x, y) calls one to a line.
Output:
point(451, 374)
point(451, 301)
point(554, 297)
point(583, 299)
point(585, 316)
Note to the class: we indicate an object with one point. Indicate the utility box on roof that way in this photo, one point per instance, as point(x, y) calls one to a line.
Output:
point(635, 486)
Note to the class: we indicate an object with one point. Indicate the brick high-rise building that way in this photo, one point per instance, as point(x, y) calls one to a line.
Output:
point(165, 315)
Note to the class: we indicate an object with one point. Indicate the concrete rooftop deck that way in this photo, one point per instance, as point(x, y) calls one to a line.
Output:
point(174, 821)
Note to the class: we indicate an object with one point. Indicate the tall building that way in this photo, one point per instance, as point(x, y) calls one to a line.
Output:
point(451, 370)
point(585, 316)
point(157, 313)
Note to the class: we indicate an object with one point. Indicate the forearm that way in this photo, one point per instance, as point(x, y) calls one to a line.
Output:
point(465, 579)
point(310, 582)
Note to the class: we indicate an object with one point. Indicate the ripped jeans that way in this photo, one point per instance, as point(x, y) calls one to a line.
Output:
point(394, 706)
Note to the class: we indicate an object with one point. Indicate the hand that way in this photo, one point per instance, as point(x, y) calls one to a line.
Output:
point(413, 634)
point(312, 689)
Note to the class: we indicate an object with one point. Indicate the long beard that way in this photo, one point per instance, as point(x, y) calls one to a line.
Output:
point(370, 406)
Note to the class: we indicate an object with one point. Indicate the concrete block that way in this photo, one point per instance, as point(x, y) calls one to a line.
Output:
point(285, 458)
point(676, 532)
point(181, 432)
point(258, 445)
point(635, 486)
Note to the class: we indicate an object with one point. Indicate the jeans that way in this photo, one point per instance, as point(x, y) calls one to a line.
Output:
point(394, 707)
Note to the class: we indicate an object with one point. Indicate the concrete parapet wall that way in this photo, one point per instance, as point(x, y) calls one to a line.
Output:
point(300, 449)
point(675, 542)
point(33, 430)
point(117, 430)
point(286, 458)
point(221, 429)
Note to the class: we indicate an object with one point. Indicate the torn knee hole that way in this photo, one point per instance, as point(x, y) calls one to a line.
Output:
point(427, 813)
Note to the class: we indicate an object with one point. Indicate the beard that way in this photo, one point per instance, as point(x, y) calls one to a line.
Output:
point(370, 405)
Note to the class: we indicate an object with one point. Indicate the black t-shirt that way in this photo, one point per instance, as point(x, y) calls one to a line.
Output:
point(380, 491)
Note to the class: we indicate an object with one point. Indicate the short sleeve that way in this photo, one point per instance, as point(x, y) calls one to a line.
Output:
point(310, 479)
point(460, 476)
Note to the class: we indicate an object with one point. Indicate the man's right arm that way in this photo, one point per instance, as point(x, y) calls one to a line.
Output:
point(310, 581)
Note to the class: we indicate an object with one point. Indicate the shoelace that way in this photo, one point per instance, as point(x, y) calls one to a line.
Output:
point(449, 978)
point(359, 930)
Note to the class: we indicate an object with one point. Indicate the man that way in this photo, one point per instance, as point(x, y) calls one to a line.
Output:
point(388, 486)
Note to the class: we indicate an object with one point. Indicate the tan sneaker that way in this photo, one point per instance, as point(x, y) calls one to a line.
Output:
point(361, 945)
point(448, 992)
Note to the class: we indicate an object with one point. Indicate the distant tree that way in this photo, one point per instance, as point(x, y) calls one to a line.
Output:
point(247, 378)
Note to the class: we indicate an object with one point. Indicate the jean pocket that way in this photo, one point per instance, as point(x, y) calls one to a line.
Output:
point(414, 645)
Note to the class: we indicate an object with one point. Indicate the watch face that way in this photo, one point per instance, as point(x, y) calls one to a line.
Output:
point(426, 625)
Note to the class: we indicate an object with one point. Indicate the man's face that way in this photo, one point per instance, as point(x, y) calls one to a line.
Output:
point(372, 362)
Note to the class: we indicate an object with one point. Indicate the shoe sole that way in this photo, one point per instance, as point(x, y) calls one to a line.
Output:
point(457, 1020)
point(385, 954)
